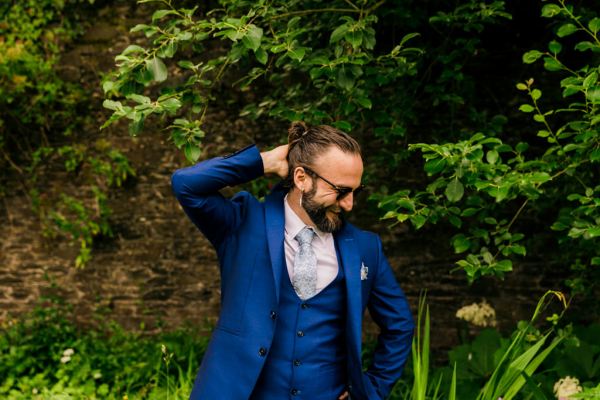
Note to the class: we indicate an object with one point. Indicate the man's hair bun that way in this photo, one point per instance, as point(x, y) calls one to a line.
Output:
point(296, 131)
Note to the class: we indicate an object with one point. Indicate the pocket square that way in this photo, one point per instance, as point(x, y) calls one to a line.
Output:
point(364, 272)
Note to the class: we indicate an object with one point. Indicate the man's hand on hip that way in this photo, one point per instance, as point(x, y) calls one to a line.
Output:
point(275, 161)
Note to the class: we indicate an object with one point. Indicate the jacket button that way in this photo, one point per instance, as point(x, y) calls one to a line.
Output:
point(300, 333)
point(294, 392)
point(273, 315)
point(304, 305)
point(262, 352)
point(297, 363)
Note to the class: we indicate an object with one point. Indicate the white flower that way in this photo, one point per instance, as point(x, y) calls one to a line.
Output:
point(34, 391)
point(68, 352)
point(65, 359)
point(479, 314)
point(97, 375)
point(565, 387)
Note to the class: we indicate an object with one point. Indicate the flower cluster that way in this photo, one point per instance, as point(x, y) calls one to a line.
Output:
point(66, 356)
point(565, 387)
point(479, 314)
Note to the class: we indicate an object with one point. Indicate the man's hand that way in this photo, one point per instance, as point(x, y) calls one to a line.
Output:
point(343, 396)
point(275, 161)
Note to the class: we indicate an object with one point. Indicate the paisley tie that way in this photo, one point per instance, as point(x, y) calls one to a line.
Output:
point(305, 265)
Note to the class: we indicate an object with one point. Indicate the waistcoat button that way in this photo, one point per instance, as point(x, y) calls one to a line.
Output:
point(273, 315)
point(294, 392)
point(262, 352)
point(300, 333)
point(297, 363)
point(304, 305)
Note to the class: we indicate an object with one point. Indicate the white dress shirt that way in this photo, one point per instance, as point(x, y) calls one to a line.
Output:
point(322, 244)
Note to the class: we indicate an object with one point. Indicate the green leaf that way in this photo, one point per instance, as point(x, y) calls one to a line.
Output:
point(550, 10)
point(112, 105)
point(594, 25)
point(343, 125)
point(521, 86)
point(520, 250)
point(593, 95)
point(418, 221)
point(492, 156)
point(551, 64)
point(345, 79)
point(261, 55)
point(136, 125)
point(192, 152)
point(590, 80)
point(296, 53)
point(157, 68)
point(554, 47)
point(504, 266)
point(338, 33)
point(585, 45)
point(454, 191)
point(186, 64)
point(435, 165)
point(133, 48)
point(532, 56)
point(539, 177)
point(364, 102)
point(526, 108)
point(158, 14)
point(536, 94)
point(355, 38)
point(171, 105)
point(469, 212)
point(139, 98)
point(167, 50)
point(593, 232)
point(566, 30)
point(253, 37)
point(461, 243)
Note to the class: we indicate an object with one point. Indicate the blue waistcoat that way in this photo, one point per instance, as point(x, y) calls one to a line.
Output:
point(307, 359)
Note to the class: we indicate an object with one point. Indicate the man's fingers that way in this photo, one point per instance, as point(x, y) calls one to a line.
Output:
point(343, 396)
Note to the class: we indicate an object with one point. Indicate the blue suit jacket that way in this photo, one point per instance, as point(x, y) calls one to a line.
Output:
point(248, 236)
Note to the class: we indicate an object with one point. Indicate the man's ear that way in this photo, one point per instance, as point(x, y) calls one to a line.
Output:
point(299, 178)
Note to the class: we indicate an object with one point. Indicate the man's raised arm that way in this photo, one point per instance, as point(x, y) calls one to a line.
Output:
point(197, 188)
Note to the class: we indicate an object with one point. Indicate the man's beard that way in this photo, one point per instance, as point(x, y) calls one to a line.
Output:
point(318, 213)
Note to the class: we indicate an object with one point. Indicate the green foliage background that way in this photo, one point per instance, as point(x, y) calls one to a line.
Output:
point(405, 78)
point(480, 117)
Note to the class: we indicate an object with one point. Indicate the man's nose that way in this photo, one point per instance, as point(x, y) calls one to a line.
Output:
point(347, 202)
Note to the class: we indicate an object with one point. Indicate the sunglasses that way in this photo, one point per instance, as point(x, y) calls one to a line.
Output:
point(342, 191)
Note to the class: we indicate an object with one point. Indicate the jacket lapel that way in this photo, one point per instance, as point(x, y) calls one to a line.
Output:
point(350, 258)
point(275, 223)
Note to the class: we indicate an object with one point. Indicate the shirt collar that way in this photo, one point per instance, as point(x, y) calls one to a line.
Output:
point(293, 223)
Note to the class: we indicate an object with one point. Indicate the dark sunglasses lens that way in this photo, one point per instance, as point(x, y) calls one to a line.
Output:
point(342, 193)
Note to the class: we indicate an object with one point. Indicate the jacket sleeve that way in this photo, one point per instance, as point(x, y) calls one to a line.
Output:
point(390, 311)
point(197, 190)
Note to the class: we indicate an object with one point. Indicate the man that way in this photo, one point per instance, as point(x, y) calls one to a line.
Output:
point(296, 278)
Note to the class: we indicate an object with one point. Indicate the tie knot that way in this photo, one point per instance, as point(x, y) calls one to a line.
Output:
point(305, 236)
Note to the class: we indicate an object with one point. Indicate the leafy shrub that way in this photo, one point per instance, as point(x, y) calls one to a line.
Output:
point(483, 185)
point(41, 117)
point(44, 355)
